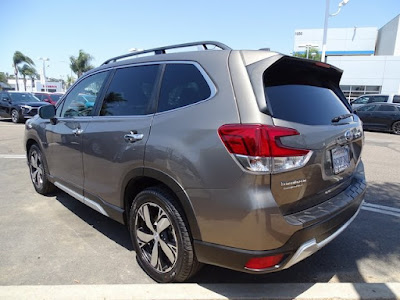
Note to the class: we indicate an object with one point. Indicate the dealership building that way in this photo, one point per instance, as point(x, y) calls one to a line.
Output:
point(368, 56)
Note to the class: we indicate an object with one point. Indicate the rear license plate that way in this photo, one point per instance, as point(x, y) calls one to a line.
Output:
point(340, 159)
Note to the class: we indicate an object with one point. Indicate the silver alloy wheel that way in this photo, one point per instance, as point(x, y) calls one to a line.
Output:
point(396, 127)
point(156, 237)
point(36, 169)
point(14, 116)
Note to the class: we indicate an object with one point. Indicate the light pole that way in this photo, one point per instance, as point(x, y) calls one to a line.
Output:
point(43, 80)
point(327, 15)
point(308, 47)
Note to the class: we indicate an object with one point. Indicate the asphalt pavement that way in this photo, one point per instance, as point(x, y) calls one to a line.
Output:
point(58, 241)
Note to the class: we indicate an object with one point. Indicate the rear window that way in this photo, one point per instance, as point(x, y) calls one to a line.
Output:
point(305, 104)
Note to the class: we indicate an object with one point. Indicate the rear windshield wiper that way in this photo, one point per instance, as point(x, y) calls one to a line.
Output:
point(341, 117)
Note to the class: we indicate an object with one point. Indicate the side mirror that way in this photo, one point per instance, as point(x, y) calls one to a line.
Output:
point(6, 99)
point(47, 112)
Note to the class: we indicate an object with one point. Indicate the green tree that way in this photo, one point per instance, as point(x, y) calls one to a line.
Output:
point(3, 77)
point(70, 81)
point(28, 71)
point(312, 54)
point(18, 59)
point(81, 64)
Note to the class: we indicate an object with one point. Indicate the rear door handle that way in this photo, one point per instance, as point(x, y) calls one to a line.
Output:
point(133, 137)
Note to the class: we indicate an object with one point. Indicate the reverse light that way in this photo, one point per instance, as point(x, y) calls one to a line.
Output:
point(266, 262)
point(258, 147)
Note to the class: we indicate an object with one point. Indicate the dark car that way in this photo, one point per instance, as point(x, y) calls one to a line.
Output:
point(51, 98)
point(380, 116)
point(19, 105)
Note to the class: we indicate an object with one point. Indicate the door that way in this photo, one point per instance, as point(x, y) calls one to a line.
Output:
point(3, 104)
point(65, 137)
point(114, 142)
point(365, 113)
point(384, 115)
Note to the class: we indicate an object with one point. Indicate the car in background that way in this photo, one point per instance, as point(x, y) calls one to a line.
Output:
point(19, 105)
point(380, 116)
point(51, 98)
point(368, 99)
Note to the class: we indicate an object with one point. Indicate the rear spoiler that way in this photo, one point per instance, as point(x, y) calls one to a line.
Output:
point(282, 69)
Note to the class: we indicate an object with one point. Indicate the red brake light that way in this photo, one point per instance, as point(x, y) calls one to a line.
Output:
point(259, 263)
point(321, 64)
point(258, 140)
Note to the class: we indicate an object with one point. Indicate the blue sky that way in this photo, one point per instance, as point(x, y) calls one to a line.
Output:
point(58, 29)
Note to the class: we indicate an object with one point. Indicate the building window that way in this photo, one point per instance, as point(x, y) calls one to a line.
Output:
point(354, 91)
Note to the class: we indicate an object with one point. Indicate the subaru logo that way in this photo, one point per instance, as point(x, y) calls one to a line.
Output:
point(348, 135)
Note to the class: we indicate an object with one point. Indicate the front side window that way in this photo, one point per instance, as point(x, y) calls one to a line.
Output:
point(366, 108)
point(80, 101)
point(396, 99)
point(361, 100)
point(130, 92)
point(183, 84)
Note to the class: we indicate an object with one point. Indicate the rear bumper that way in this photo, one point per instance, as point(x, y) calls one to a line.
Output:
point(301, 245)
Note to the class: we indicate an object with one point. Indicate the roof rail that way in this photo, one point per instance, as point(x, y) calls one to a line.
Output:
point(161, 50)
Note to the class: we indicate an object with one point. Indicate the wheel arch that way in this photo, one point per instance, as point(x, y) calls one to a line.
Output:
point(140, 179)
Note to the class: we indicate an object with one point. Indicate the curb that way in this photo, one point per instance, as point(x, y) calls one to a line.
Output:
point(207, 291)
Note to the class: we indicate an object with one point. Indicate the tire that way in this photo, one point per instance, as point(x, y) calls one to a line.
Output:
point(396, 127)
point(38, 171)
point(161, 238)
point(15, 116)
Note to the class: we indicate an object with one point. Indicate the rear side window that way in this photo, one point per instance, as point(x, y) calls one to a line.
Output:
point(396, 99)
point(386, 108)
point(130, 92)
point(374, 99)
point(305, 104)
point(183, 84)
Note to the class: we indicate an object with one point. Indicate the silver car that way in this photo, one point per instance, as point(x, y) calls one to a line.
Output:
point(249, 160)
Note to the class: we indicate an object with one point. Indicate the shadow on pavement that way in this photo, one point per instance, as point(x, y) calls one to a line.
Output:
point(108, 227)
point(387, 193)
point(371, 236)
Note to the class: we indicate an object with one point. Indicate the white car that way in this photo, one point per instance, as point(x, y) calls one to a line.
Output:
point(367, 99)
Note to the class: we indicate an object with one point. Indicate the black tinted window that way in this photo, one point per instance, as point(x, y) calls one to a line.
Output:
point(396, 99)
point(366, 108)
point(386, 108)
point(361, 100)
point(304, 104)
point(183, 84)
point(130, 92)
point(373, 99)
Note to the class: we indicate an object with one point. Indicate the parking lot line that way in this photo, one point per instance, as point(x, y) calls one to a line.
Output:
point(382, 207)
point(12, 156)
point(381, 211)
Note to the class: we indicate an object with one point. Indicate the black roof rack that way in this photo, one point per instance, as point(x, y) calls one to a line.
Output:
point(161, 50)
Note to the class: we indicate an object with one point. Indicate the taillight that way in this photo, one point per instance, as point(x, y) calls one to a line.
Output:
point(258, 147)
point(266, 262)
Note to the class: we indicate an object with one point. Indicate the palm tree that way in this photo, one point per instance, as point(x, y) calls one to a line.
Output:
point(32, 74)
point(81, 64)
point(19, 58)
point(29, 71)
point(70, 81)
